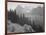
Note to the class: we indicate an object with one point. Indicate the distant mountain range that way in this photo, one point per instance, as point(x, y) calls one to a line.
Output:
point(27, 11)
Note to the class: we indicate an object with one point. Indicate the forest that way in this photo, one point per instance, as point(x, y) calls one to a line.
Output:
point(14, 18)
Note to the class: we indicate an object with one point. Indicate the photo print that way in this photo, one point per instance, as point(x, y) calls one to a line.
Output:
point(25, 17)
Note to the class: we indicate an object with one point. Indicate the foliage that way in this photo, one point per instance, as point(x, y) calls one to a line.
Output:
point(23, 20)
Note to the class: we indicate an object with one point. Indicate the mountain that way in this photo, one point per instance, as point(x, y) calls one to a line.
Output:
point(19, 9)
point(37, 11)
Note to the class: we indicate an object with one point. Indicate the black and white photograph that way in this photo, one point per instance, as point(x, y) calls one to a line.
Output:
point(25, 17)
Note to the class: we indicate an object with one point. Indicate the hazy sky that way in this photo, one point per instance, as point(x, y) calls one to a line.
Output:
point(13, 5)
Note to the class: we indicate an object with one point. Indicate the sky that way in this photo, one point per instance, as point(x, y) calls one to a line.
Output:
point(13, 5)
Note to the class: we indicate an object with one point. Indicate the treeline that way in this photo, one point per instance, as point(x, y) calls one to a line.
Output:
point(23, 20)
point(16, 19)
